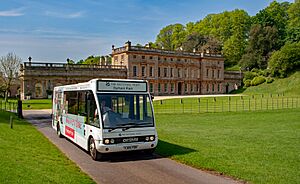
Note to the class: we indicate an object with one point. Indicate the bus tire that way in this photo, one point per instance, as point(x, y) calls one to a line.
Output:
point(93, 151)
point(58, 131)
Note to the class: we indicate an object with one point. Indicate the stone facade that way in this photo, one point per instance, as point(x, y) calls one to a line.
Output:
point(168, 72)
point(174, 72)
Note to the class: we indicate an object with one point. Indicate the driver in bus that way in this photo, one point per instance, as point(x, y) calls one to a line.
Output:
point(104, 108)
point(105, 115)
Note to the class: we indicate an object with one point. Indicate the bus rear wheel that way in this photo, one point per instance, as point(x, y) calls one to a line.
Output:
point(93, 151)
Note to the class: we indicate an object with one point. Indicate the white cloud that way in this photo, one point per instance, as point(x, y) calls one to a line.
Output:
point(12, 13)
point(65, 15)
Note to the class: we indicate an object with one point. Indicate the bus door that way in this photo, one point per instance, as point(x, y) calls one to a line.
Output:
point(88, 117)
point(57, 107)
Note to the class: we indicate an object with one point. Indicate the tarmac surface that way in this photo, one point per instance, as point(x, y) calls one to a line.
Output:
point(124, 168)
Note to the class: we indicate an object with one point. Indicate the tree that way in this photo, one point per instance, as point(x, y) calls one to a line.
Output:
point(230, 28)
point(275, 15)
point(9, 69)
point(286, 60)
point(171, 37)
point(293, 26)
point(262, 42)
point(194, 41)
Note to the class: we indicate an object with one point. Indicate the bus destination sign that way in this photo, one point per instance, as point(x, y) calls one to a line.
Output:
point(117, 86)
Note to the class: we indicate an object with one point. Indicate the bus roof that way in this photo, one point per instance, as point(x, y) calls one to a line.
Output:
point(108, 85)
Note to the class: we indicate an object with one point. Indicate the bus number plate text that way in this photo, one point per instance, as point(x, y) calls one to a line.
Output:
point(130, 147)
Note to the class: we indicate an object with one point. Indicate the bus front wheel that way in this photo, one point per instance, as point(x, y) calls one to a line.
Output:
point(93, 151)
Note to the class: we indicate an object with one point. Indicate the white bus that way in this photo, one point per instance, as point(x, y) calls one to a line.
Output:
point(105, 116)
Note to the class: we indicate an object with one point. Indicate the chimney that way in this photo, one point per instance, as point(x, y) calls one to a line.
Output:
point(29, 59)
point(128, 44)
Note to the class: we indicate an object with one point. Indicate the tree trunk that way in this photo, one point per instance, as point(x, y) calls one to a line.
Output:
point(6, 96)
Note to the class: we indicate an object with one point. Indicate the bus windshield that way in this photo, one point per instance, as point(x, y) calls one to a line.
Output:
point(125, 110)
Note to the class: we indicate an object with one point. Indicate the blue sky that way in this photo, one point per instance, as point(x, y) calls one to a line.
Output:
point(55, 30)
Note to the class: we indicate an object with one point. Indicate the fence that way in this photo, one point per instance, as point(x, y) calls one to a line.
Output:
point(8, 106)
point(225, 104)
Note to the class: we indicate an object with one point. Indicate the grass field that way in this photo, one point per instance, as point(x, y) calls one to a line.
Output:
point(289, 86)
point(28, 157)
point(259, 147)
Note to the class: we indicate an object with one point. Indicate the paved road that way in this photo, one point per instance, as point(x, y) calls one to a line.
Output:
point(124, 168)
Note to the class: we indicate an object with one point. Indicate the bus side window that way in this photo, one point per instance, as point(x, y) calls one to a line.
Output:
point(82, 111)
point(93, 116)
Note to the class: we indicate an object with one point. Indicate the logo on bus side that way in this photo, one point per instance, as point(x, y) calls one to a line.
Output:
point(69, 132)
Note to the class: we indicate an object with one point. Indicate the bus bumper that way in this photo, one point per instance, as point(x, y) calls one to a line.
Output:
point(122, 147)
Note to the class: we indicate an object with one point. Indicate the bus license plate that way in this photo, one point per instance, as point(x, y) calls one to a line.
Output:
point(130, 147)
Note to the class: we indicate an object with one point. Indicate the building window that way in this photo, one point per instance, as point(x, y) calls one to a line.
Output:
point(171, 72)
point(213, 87)
point(143, 57)
point(166, 87)
point(172, 87)
point(207, 87)
point(192, 87)
point(134, 56)
point(185, 87)
point(158, 71)
point(218, 87)
point(207, 72)
point(171, 59)
point(165, 59)
point(159, 87)
point(192, 73)
point(116, 58)
point(134, 71)
point(151, 71)
point(213, 73)
point(143, 71)
point(150, 57)
point(165, 72)
point(151, 88)
point(179, 72)
point(218, 73)
point(158, 58)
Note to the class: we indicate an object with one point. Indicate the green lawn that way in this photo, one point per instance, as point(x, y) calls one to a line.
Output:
point(226, 104)
point(28, 157)
point(259, 147)
point(37, 104)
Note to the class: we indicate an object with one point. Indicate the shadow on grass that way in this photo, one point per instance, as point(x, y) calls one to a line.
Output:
point(238, 91)
point(167, 149)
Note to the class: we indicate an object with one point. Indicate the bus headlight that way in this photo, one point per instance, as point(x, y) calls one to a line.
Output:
point(112, 141)
point(152, 138)
point(147, 139)
point(106, 141)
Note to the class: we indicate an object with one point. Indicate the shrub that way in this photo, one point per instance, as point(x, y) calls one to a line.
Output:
point(286, 60)
point(257, 81)
point(249, 75)
point(269, 80)
point(247, 83)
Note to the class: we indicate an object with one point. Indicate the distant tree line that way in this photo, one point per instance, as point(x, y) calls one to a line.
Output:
point(91, 60)
point(270, 40)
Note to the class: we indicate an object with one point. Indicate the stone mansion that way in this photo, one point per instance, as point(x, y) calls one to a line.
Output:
point(168, 72)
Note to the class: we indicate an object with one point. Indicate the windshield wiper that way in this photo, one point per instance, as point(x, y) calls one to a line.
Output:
point(114, 128)
point(135, 125)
